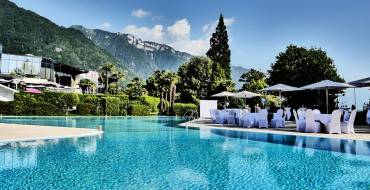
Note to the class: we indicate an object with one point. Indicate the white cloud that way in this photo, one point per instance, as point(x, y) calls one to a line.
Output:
point(178, 35)
point(155, 34)
point(140, 13)
point(105, 25)
point(180, 30)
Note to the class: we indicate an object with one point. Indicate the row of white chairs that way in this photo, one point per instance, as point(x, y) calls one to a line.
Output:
point(305, 122)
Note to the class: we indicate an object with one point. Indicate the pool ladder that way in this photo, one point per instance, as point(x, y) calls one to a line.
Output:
point(193, 114)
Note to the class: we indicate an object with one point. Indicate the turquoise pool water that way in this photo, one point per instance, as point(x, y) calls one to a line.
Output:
point(153, 153)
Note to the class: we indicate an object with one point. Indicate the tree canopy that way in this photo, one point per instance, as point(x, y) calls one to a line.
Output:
point(136, 88)
point(253, 80)
point(299, 66)
point(219, 51)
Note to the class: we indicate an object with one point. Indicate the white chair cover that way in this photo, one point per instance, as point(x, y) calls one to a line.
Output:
point(345, 116)
point(300, 123)
point(368, 117)
point(288, 114)
point(301, 113)
point(248, 120)
point(278, 119)
point(262, 119)
point(213, 115)
point(312, 126)
point(334, 125)
point(231, 116)
point(348, 126)
point(316, 111)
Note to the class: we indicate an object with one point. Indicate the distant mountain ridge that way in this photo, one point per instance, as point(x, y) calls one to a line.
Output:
point(141, 57)
point(25, 32)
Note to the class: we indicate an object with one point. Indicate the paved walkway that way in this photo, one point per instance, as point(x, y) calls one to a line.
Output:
point(361, 132)
point(15, 132)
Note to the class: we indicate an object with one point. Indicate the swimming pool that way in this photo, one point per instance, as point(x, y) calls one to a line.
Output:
point(153, 153)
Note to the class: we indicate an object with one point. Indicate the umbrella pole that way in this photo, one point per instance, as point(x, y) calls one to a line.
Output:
point(280, 98)
point(354, 94)
point(327, 104)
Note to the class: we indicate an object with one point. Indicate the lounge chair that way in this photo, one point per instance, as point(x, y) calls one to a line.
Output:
point(261, 118)
point(334, 125)
point(300, 123)
point(312, 126)
point(348, 126)
point(278, 119)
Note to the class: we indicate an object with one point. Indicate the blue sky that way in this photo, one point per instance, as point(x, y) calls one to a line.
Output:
point(258, 29)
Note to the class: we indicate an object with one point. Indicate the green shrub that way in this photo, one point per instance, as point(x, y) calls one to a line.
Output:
point(85, 109)
point(93, 100)
point(151, 102)
point(44, 108)
point(138, 110)
point(180, 108)
point(6, 108)
point(111, 105)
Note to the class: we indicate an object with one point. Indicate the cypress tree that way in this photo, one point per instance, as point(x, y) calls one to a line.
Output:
point(219, 51)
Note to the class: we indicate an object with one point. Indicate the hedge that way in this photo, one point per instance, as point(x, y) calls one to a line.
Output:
point(180, 109)
point(151, 102)
point(139, 110)
point(111, 105)
point(85, 109)
point(56, 103)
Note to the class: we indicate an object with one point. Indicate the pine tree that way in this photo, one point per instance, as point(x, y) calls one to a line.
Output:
point(219, 51)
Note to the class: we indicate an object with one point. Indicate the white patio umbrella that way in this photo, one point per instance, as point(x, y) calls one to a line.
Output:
point(246, 94)
point(365, 82)
point(281, 88)
point(224, 94)
point(327, 85)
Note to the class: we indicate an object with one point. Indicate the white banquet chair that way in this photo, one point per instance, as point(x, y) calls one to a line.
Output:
point(213, 115)
point(368, 116)
point(345, 116)
point(288, 114)
point(300, 123)
point(301, 113)
point(348, 126)
point(312, 126)
point(316, 111)
point(278, 119)
point(247, 120)
point(231, 116)
point(220, 119)
point(334, 125)
point(261, 118)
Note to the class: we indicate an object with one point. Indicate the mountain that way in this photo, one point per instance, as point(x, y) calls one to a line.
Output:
point(142, 57)
point(25, 32)
point(236, 72)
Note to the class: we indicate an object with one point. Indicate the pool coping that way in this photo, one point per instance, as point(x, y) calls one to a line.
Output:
point(88, 133)
point(194, 124)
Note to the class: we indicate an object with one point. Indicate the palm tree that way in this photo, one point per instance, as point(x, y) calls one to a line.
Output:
point(106, 72)
point(85, 85)
point(119, 75)
point(172, 79)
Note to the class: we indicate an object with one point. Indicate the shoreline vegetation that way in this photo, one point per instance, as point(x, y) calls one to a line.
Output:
point(62, 104)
